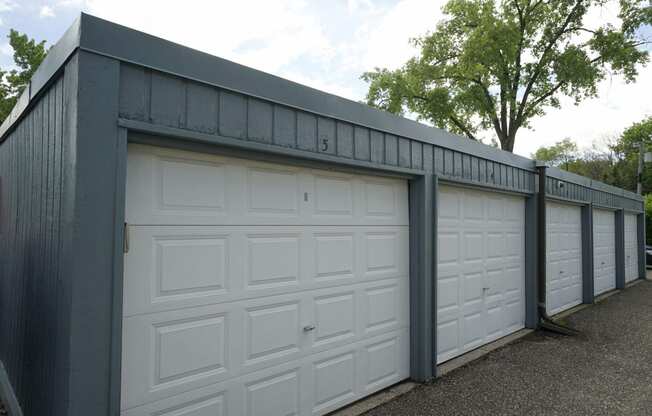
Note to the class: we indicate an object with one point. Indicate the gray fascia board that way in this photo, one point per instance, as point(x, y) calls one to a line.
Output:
point(128, 45)
point(566, 176)
point(57, 56)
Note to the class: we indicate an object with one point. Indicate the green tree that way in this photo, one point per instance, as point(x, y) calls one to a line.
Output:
point(595, 165)
point(28, 55)
point(627, 151)
point(497, 64)
point(559, 154)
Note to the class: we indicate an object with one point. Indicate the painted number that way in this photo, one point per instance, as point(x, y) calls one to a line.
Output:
point(324, 145)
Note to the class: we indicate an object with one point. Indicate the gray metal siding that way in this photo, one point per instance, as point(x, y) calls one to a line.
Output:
point(166, 100)
point(572, 187)
point(32, 313)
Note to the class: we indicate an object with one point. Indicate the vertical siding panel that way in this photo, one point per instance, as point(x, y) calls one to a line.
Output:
point(466, 167)
point(391, 150)
point(201, 108)
point(29, 249)
point(307, 132)
point(344, 140)
point(361, 144)
point(475, 169)
point(168, 100)
point(457, 164)
point(494, 176)
point(439, 160)
point(510, 177)
point(134, 93)
point(417, 154)
point(428, 158)
point(448, 162)
point(56, 231)
point(233, 115)
point(327, 142)
point(482, 170)
point(285, 127)
point(260, 121)
point(377, 147)
point(404, 153)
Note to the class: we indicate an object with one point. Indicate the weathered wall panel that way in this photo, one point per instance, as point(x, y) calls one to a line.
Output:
point(580, 189)
point(32, 318)
point(186, 104)
point(165, 100)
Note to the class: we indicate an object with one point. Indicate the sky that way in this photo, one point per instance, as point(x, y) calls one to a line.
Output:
point(326, 44)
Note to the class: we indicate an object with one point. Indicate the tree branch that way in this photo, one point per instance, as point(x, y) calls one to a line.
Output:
point(540, 64)
point(462, 127)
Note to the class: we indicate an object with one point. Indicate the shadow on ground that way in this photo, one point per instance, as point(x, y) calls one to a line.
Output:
point(607, 370)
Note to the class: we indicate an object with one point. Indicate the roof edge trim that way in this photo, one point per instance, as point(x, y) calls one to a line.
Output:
point(54, 60)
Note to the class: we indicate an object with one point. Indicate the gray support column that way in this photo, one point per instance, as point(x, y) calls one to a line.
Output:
point(118, 267)
point(531, 311)
point(93, 247)
point(620, 249)
point(640, 224)
point(423, 277)
point(588, 280)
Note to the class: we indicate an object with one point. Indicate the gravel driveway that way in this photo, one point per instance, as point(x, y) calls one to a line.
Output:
point(607, 370)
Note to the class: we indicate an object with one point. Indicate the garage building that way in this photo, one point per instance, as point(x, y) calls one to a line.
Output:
point(185, 235)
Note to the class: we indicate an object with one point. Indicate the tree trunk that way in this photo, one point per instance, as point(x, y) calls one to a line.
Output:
point(507, 140)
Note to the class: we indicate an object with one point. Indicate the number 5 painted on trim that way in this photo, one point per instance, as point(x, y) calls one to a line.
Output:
point(324, 145)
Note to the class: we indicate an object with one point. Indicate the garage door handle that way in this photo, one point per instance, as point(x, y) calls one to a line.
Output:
point(308, 328)
point(561, 272)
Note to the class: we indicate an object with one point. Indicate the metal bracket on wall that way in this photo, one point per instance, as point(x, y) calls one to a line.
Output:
point(125, 244)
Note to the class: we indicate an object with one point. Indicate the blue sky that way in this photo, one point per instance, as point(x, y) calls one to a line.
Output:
point(326, 45)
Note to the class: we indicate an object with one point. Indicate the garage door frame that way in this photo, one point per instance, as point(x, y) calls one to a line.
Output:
point(621, 282)
point(590, 296)
point(529, 241)
point(586, 238)
point(421, 194)
point(531, 315)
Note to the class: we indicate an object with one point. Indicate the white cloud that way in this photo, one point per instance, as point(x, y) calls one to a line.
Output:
point(261, 34)
point(6, 49)
point(46, 11)
point(7, 5)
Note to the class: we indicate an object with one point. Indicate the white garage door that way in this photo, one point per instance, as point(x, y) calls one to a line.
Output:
point(480, 273)
point(564, 257)
point(604, 251)
point(631, 248)
point(259, 289)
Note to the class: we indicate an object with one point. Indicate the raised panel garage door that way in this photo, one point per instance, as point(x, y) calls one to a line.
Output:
point(480, 274)
point(260, 289)
point(631, 248)
point(604, 251)
point(564, 257)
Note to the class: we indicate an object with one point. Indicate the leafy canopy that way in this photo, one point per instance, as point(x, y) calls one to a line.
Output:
point(557, 154)
point(496, 64)
point(595, 163)
point(28, 55)
point(626, 148)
